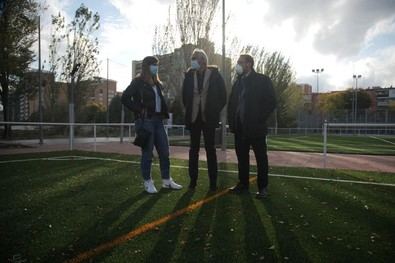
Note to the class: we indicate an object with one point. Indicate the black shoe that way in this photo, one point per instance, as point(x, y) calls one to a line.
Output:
point(261, 194)
point(239, 188)
point(192, 186)
point(213, 188)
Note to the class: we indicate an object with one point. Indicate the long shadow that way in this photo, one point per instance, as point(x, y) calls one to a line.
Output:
point(361, 222)
point(167, 241)
point(225, 243)
point(352, 211)
point(102, 230)
point(255, 235)
point(199, 235)
point(41, 180)
point(20, 229)
point(288, 242)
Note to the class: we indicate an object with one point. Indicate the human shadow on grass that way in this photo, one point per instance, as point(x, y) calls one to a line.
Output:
point(290, 217)
point(164, 248)
point(27, 227)
point(225, 244)
point(199, 235)
point(289, 244)
point(256, 241)
point(350, 221)
point(33, 182)
point(103, 231)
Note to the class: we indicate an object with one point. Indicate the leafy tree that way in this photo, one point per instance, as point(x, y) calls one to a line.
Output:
point(18, 29)
point(115, 109)
point(279, 69)
point(332, 102)
point(363, 99)
point(93, 112)
point(293, 103)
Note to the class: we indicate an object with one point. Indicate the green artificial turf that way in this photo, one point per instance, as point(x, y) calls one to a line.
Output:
point(53, 210)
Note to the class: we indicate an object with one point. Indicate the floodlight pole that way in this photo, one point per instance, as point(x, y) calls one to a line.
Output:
point(223, 122)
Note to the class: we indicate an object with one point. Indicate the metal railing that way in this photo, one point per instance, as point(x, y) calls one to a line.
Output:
point(354, 129)
point(359, 129)
point(70, 126)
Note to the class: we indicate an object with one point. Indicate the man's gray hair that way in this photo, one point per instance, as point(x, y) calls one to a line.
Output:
point(200, 52)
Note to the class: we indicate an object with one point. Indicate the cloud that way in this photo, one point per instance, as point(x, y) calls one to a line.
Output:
point(51, 7)
point(129, 36)
point(378, 69)
point(343, 36)
point(343, 24)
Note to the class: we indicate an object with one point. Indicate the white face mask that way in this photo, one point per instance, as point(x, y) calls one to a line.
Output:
point(239, 69)
point(195, 64)
point(153, 69)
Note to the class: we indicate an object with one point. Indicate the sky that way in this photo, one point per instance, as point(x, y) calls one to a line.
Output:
point(344, 37)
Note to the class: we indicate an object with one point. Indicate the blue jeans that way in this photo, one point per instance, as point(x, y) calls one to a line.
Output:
point(158, 139)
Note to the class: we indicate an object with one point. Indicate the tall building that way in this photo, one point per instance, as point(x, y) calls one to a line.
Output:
point(54, 92)
point(385, 97)
point(29, 99)
point(98, 91)
point(307, 95)
point(173, 65)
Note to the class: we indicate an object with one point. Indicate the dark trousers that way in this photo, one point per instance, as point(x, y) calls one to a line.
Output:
point(259, 147)
point(209, 144)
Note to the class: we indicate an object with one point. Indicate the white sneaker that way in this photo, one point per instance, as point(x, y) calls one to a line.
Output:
point(170, 184)
point(150, 187)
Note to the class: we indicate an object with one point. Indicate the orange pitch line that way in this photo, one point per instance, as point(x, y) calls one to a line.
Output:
point(144, 228)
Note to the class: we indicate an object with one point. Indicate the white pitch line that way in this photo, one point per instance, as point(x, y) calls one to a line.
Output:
point(83, 158)
point(381, 139)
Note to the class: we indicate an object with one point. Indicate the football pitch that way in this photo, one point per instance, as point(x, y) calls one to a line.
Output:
point(354, 144)
point(90, 207)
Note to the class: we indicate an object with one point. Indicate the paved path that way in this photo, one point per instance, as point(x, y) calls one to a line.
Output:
point(276, 158)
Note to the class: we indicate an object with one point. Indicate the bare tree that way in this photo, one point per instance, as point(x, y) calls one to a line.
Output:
point(190, 28)
point(81, 49)
point(51, 97)
point(194, 19)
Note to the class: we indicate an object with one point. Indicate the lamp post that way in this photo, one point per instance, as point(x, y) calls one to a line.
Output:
point(71, 105)
point(317, 72)
point(355, 100)
point(40, 110)
point(223, 147)
point(107, 111)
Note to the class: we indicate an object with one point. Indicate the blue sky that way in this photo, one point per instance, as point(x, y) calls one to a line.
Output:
point(344, 37)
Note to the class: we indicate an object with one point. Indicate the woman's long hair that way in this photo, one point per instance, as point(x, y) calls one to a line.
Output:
point(145, 70)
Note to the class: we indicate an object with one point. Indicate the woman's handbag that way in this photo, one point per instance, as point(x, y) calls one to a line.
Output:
point(142, 134)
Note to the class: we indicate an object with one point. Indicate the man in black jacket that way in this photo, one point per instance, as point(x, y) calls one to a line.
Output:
point(204, 96)
point(250, 104)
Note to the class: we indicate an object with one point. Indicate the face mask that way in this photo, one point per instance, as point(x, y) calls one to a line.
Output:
point(195, 65)
point(239, 69)
point(153, 69)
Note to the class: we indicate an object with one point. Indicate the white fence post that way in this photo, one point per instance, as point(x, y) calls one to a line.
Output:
point(71, 123)
point(325, 142)
point(130, 131)
point(94, 136)
point(122, 122)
